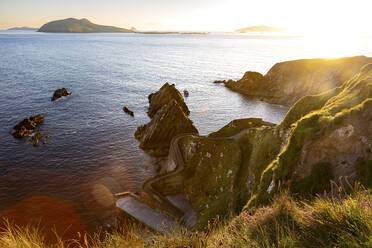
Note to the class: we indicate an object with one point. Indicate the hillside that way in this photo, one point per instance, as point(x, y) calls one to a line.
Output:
point(260, 29)
point(287, 82)
point(72, 25)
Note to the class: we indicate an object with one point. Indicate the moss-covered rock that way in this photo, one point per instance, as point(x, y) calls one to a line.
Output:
point(237, 126)
point(287, 82)
point(211, 167)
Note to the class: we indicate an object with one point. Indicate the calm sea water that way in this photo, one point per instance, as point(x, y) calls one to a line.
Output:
point(92, 149)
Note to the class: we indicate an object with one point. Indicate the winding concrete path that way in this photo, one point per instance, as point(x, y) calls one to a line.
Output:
point(161, 205)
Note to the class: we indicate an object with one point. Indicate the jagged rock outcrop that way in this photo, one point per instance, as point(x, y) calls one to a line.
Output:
point(128, 111)
point(60, 93)
point(166, 94)
point(287, 82)
point(169, 118)
point(27, 126)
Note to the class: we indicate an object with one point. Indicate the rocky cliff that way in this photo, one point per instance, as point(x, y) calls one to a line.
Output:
point(323, 138)
point(169, 115)
point(287, 82)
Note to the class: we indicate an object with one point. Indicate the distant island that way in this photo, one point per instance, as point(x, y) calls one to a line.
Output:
point(22, 29)
point(73, 25)
point(260, 29)
point(169, 32)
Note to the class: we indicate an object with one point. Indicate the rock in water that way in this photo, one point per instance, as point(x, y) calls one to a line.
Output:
point(27, 126)
point(165, 95)
point(186, 93)
point(168, 122)
point(169, 115)
point(129, 112)
point(35, 139)
point(60, 93)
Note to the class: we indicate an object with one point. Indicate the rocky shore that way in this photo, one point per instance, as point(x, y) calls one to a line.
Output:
point(324, 138)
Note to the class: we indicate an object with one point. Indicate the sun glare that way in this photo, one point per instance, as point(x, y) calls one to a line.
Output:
point(332, 46)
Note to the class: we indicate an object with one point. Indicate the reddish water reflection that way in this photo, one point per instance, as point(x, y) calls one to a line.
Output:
point(50, 215)
point(69, 203)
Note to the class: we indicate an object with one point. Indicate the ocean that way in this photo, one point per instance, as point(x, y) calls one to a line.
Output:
point(92, 150)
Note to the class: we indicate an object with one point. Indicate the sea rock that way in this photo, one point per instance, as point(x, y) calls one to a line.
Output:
point(166, 94)
point(60, 93)
point(27, 126)
point(287, 82)
point(35, 139)
point(129, 112)
point(168, 122)
point(186, 93)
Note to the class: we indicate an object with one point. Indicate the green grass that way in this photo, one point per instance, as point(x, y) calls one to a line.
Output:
point(341, 221)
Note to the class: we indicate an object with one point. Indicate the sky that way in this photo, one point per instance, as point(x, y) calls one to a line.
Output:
point(303, 16)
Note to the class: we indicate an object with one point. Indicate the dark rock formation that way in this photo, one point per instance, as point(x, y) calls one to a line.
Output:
point(287, 82)
point(168, 122)
point(46, 138)
point(129, 112)
point(166, 94)
point(60, 93)
point(72, 25)
point(169, 118)
point(35, 139)
point(27, 126)
point(186, 93)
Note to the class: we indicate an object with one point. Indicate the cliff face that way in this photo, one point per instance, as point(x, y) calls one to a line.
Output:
point(287, 82)
point(324, 137)
point(72, 25)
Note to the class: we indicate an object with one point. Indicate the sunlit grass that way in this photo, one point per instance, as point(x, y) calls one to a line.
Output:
point(342, 221)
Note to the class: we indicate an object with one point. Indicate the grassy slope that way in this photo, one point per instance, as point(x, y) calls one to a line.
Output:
point(345, 221)
point(306, 120)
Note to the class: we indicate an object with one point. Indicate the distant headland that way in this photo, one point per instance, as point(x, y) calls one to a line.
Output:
point(73, 25)
point(260, 29)
point(22, 29)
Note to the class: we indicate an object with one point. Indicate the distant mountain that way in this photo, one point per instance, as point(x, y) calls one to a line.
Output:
point(260, 29)
point(72, 25)
point(23, 29)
